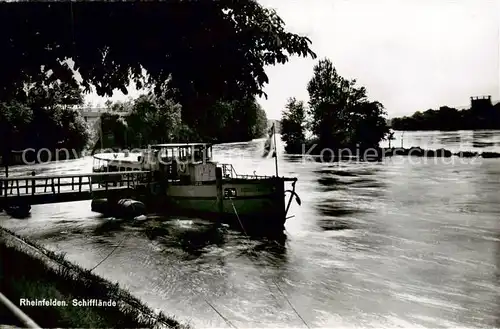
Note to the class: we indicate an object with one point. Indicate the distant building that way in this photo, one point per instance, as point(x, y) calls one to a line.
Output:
point(481, 103)
point(92, 114)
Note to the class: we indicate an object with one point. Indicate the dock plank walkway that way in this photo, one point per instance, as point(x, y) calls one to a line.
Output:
point(45, 189)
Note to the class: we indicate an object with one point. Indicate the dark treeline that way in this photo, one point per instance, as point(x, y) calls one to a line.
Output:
point(42, 116)
point(155, 119)
point(210, 70)
point(218, 52)
point(446, 118)
point(338, 116)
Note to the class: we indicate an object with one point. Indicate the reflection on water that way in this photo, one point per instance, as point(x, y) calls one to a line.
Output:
point(398, 243)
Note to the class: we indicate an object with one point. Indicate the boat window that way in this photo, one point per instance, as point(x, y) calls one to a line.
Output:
point(198, 155)
point(229, 193)
point(167, 154)
point(185, 153)
point(97, 163)
point(208, 153)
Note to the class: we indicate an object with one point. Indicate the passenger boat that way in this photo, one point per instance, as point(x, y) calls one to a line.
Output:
point(187, 183)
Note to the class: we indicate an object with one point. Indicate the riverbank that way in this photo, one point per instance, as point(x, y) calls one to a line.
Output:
point(29, 271)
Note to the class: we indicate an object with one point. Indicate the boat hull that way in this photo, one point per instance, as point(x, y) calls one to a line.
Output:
point(247, 204)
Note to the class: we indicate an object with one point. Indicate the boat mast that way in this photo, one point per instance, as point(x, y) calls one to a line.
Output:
point(101, 134)
point(275, 154)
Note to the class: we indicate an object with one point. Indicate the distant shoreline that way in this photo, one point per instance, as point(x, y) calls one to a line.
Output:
point(445, 130)
point(481, 115)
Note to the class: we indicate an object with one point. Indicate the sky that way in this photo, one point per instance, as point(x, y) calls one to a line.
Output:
point(410, 55)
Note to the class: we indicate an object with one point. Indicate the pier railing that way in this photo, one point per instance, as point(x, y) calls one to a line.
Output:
point(57, 184)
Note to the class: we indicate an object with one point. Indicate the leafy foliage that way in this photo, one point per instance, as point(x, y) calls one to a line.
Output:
point(154, 119)
point(42, 116)
point(201, 52)
point(293, 125)
point(341, 114)
point(447, 118)
point(246, 120)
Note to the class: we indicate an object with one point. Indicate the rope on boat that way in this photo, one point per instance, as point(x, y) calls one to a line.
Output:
point(291, 305)
point(112, 251)
point(222, 316)
point(237, 216)
point(275, 283)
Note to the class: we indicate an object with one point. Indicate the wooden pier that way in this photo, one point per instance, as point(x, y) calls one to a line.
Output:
point(43, 189)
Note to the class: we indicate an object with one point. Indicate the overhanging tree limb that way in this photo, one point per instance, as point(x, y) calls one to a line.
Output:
point(202, 50)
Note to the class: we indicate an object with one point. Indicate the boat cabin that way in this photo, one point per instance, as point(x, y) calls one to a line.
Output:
point(189, 153)
point(122, 161)
point(189, 163)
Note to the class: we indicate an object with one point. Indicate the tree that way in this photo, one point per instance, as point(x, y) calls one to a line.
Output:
point(247, 120)
point(391, 137)
point(41, 115)
point(367, 125)
point(219, 122)
point(199, 51)
point(13, 118)
point(120, 106)
point(113, 132)
point(261, 123)
point(293, 125)
point(151, 120)
point(235, 121)
point(341, 114)
point(155, 120)
point(448, 118)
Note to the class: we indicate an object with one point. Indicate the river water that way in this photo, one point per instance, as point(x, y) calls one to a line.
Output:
point(408, 242)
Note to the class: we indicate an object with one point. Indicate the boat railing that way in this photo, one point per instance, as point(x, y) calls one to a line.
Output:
point(228, 171)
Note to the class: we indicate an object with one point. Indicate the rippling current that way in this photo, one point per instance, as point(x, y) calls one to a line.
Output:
point(407, 242)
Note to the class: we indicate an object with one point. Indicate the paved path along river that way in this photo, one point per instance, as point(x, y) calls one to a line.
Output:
point(402, 243)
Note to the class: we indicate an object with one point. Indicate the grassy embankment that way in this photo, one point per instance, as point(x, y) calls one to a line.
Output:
point(28, 270)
